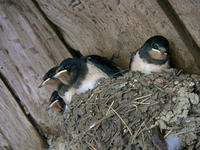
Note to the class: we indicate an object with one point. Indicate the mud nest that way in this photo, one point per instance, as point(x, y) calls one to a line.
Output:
point(119, 114)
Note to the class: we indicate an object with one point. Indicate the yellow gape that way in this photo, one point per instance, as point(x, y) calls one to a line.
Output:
point(63, 71)
point(43, 83)
point(155, 50)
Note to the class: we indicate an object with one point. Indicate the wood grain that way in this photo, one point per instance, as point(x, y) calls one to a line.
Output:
point(189, 12)
point(28, 48)
point(16, 132)
point(116, 28)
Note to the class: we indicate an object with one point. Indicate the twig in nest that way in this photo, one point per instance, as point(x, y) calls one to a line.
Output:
point(122, 121)
point(179, 72)
point(188, 131)
point(137, 132)
point(138, 98)
point(154, 125)
point(141, 103)
point(99, 121)
point(90, 146)
point(169, 80)
point(159, 88)
point(107, 115)
point(143, 142)
point(135, 106)
point(112, 96)
point(108, 111)
point(168, 133)
point(90, 97)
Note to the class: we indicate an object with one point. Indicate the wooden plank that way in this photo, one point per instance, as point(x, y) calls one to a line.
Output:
point(4, 145)
point(189, 11)
point(16, 132)
point(28, 48)
point(116, 28)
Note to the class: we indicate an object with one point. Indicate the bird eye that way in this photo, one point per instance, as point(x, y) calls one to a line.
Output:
point(154, 45)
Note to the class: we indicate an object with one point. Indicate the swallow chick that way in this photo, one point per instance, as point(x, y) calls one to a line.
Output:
point(81, 75)
point(152, 56)
point(49, 80)
point(56, 102)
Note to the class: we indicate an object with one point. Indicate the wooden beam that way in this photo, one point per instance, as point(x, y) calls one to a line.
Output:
point(188, 12)
point(16, 132)
point(117, 27)
point(28, 48)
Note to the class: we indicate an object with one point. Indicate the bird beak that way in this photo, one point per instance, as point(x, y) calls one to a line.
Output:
point(60, 72)
point(155, 50)
point(40, 85)
point(51, 105)
point(43, 83)
point(162, 51)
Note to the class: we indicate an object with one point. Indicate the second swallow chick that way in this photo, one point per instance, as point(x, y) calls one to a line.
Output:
point(152, 56)
point(56, 102)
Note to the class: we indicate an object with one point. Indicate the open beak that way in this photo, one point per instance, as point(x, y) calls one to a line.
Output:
point(60, 73)
point(43, 83)
point(40, 85)
point(51, 105)
point(162, 51)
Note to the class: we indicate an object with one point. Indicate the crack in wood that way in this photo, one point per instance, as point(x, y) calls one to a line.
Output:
point(181, 29)
point(5, 147)
point(75, 53)
point(24, 109)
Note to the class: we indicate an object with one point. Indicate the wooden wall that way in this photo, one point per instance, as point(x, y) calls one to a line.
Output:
point(119, 27)
point(37, 34)
point(28, 48)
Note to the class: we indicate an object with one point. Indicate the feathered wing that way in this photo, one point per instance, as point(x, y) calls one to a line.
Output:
point(106, 65)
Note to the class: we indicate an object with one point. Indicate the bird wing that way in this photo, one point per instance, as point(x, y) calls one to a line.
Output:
point(106, 65)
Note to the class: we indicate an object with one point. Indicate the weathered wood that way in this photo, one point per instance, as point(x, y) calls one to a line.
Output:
point(28, 48)
point(16, 132)
point(4, 145)
point(189, 12)
point(116, 28)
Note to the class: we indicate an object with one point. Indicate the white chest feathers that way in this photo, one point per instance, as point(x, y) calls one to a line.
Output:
point(93, 75)
point(90, 81)
point(140, 65)
point(68, 95)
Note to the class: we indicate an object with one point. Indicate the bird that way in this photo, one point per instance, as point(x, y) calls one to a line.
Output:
point(153, 56)
point(57, 102)
point(48, 79)
point(79, 75)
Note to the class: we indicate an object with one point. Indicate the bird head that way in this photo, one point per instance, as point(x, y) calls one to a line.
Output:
point(57, 102)
point(49, 80)
point(155, 50)
point(67, 69)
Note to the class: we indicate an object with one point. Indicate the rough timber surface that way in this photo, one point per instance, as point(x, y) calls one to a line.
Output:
point(120, 113)
point(116, 28)
point(189, 11)
point(28, 48)
point(16, 133)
